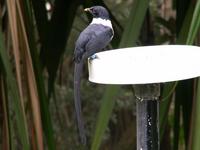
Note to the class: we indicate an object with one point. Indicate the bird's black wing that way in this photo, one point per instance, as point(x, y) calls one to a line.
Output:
point(93, 39)
point(99, 40)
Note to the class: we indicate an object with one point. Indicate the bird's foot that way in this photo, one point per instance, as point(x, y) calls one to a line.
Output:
point(93, 57)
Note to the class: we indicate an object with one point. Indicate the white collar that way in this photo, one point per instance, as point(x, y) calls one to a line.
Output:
point(104, 22)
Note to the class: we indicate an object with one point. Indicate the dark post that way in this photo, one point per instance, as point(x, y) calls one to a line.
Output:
point(147, 116)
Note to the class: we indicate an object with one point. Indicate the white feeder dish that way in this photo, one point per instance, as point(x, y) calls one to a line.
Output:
point(144, 65)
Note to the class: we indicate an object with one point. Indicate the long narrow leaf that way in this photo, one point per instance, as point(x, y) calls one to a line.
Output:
point(195, 144)
point(184, 31)
point(166, 97)
point(193, 29)
point(106, 109)
point(132, 29)
point(31, 81)
point(45, 114)
point(194, 24)
point(15, 42)
point(6, 141)
point(11, 81)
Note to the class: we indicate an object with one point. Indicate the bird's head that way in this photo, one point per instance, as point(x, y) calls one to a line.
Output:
point(98, 12)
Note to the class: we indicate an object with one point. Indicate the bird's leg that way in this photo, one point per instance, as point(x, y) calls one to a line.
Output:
point(93, 57)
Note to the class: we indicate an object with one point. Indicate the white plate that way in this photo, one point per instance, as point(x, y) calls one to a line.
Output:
point(143, 65)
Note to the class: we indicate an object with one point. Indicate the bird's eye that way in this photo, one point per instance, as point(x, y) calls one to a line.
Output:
point(94, 12)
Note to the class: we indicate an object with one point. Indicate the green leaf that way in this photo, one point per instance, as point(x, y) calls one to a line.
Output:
point(45, 113)
point(194, 27)
point(184, 31)
point(186, 92)
point(134, 23)
point(14, 93)
point(166, 97)
point(195, 144)
point(176, 125)
point(104, 114)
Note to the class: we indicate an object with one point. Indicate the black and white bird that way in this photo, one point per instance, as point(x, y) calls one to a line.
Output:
point(95, 37)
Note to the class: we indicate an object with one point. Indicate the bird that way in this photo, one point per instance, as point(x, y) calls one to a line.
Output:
point(94, 38)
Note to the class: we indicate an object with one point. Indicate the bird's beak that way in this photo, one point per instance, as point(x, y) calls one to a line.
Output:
point(87, 10)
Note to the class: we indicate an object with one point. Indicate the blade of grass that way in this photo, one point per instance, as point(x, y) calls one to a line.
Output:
point(6, 124)
point(132, 29)
point(184, 31)
point(181, 10)
point(12, 17)
point(129, 38)
point(194, 27)
point(12, 84)
point(166, 97)
point(195, 132)
point(177, 115)
point(34, 103)
point(104, 114)
point(31, 81)
point(181, 39)
point(186, 95)
point(45, 114)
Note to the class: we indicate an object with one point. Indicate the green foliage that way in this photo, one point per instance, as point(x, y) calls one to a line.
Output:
point(37, 40)
point(194, 27)
point(104, 114)
point(14, 92)
point(193, 30)
point(195, 145)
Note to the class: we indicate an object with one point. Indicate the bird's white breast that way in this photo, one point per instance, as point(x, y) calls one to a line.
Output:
point(104, 22)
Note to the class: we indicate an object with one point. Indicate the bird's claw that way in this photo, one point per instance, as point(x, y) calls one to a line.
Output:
point(93, 57)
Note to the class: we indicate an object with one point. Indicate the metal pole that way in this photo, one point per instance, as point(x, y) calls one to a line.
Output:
point(147, 110)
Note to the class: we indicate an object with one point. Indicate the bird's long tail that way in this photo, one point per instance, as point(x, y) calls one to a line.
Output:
point(77, 101)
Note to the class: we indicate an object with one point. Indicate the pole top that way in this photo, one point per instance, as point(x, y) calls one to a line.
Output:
point(145, 64)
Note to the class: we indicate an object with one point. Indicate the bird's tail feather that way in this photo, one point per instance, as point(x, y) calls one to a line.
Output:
point(77, 81)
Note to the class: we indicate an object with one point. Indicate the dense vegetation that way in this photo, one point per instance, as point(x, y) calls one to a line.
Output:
point(36, 75)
